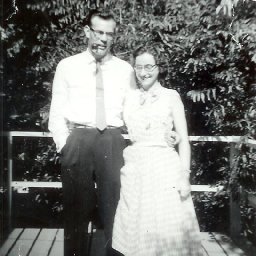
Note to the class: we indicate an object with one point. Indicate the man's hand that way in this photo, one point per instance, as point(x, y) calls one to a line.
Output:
point(172, 138)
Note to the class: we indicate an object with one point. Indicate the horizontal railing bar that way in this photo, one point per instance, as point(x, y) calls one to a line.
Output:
point(235, 139)
point(206, 188)
point(36, 184)
point(215, 138)
point(28, 134)
point(37, 134)
point(49, 184)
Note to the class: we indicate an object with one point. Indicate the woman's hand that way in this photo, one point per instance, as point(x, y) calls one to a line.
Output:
point(184, 187)
point(172, 138)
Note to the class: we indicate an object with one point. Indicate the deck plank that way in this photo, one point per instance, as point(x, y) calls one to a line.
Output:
point(38, 242)
point(44, 242)
point(228, 245)
point(29, 234)
point(15, 233)
point(25, 242)
point(60, 235)
point(47, 234)
point(10, 241)
point(6, 246)
point(210, 245)
point(41, 248)
point(58, 248)
point(21, 247)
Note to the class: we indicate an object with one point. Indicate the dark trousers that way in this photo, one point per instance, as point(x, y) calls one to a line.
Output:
point(88, 156)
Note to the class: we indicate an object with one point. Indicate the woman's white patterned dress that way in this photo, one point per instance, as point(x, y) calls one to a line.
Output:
point(151, 219)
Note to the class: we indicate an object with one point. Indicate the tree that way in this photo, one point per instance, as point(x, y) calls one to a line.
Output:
point(210, 57)
point(208, 49)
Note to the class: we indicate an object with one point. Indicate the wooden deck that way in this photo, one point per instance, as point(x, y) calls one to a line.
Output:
point(49, 242)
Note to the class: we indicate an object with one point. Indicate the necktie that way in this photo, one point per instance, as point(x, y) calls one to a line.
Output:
point(101, 123)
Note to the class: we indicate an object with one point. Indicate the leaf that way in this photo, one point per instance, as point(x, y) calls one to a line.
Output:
point(218, 9)
point(208, 94)
point(214, 93)
point(222, 110)
point(253, 59)
point(202, 97)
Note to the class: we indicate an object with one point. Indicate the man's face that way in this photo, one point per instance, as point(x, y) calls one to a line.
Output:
point(100, 36)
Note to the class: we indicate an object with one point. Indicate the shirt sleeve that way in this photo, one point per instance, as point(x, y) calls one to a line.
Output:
point(130, 80)
point(130, 102)
point(57, 123)
point(129, 85)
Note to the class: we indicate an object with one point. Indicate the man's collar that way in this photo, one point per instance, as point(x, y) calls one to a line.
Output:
point(90, 58)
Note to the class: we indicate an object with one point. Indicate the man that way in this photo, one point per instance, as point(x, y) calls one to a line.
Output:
point(86, 120)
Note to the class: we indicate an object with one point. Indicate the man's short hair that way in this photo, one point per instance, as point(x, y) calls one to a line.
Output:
point(97, 13)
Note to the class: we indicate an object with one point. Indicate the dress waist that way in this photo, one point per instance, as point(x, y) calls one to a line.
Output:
point(150, 144)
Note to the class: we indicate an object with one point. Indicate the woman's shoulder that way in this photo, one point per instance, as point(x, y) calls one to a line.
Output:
point(172, 98)
point(171, 93)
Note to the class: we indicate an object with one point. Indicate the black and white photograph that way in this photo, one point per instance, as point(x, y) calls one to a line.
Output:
point(128, 128)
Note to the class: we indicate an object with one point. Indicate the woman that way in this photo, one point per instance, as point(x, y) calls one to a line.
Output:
point(155, 214)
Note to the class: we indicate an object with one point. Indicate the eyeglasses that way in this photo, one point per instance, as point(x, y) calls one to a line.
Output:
point(147, 68)
point(99, 33)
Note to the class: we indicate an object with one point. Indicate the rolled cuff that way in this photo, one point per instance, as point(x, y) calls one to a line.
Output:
point(60, 141)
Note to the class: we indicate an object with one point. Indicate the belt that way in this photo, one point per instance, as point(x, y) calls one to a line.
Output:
point(72, 125)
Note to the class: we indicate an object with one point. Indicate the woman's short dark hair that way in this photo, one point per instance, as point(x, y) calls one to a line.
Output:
point(157, 52)
point(98, 13)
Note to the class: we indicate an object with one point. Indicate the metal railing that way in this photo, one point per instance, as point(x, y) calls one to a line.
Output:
point(233, 140)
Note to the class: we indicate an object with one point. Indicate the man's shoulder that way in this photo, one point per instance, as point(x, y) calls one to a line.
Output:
point(73, 59)
point(121, 63)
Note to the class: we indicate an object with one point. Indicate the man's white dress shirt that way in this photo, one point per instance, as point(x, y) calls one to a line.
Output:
point(74, 93)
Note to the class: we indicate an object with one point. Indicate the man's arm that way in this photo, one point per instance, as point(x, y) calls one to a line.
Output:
point(172, 137)
point(57, 123)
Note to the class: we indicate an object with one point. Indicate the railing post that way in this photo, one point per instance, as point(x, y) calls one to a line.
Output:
point(10, 167)
point(234, 210)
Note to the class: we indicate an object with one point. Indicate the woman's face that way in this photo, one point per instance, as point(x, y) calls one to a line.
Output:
point(146, 70)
